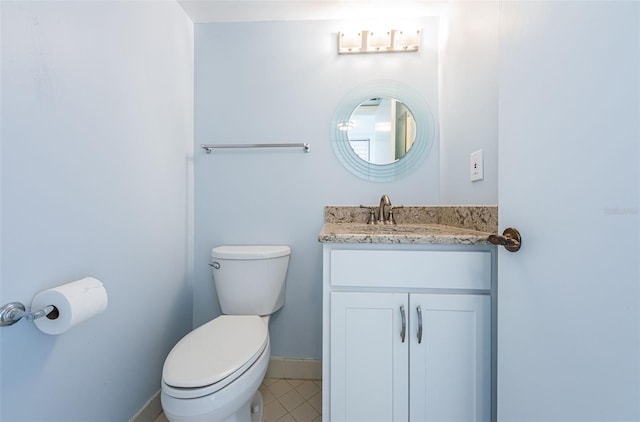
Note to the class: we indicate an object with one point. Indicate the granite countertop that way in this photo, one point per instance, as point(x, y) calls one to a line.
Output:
point(446, 225)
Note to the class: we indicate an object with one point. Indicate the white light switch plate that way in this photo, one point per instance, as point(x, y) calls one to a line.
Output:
point(476, 166)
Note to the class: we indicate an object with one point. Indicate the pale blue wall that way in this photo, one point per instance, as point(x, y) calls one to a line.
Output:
point(469, 101)
point(97, 122)
point(279, 82)
point(96, 143)
point(569, 300)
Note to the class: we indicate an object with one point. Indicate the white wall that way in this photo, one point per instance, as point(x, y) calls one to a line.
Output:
point(281, 82)
point(96, 158)
point(469, 101)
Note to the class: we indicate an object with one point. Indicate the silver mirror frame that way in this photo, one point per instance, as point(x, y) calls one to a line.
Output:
point(425, 131)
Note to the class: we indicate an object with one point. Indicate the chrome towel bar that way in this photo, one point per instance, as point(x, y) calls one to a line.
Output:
point(210, 147)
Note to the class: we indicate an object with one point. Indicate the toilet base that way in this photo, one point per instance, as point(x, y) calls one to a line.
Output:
point(257, 407)
point(239, 401)
point(251, 412)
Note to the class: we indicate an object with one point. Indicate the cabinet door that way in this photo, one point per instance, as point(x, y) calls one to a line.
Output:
point(369, 359)
point(450, 367)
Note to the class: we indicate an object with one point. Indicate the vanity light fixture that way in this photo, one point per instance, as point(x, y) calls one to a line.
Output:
point(385, 41)
point(403, 40)
point(378, 41)
point(350, 42)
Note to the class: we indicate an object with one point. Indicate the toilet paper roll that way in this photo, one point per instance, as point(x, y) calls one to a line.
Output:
point(75, 302)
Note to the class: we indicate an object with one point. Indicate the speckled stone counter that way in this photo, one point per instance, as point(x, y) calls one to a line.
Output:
point(446, 225)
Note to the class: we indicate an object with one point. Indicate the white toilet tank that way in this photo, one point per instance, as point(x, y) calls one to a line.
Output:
point(250, 280)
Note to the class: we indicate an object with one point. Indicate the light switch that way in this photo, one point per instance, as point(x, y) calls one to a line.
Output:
point(477, 167)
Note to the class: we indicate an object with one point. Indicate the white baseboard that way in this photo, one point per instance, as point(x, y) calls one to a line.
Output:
point(306, 369)
point(150, 410)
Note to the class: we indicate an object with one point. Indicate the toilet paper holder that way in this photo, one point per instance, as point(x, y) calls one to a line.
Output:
point(15, 311)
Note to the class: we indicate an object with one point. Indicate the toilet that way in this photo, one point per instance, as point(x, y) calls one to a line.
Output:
point(214, 372)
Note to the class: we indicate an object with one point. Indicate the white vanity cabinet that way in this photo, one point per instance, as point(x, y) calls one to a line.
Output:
point(407, 333)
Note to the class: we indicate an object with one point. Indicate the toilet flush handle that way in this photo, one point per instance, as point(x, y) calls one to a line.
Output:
point(215, 265)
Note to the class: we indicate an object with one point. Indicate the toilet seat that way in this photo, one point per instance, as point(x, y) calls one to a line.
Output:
point(213, 355)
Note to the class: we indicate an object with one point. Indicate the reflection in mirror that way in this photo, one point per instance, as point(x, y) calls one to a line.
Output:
point(381, 130)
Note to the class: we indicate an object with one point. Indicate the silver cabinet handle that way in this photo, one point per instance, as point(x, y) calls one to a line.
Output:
point(403, 332)
point(419, 324)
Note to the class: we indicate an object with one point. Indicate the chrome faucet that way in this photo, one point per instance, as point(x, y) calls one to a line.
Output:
point(382, 215)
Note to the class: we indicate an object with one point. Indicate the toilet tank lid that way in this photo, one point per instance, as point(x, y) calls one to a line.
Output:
point(250, 251)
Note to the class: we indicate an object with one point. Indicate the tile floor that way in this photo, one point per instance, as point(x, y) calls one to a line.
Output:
point(288, 400)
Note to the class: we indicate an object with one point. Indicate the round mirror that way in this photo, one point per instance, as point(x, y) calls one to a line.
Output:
point(382, 130)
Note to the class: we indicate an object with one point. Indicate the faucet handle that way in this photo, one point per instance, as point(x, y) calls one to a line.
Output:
point(392, 219)
point(372, 214)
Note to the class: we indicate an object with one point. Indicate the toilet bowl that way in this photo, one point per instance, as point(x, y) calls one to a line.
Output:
point(229, 385)
point(214, 372)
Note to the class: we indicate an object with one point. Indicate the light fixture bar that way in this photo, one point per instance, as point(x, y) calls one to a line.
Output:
point(385, 41)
